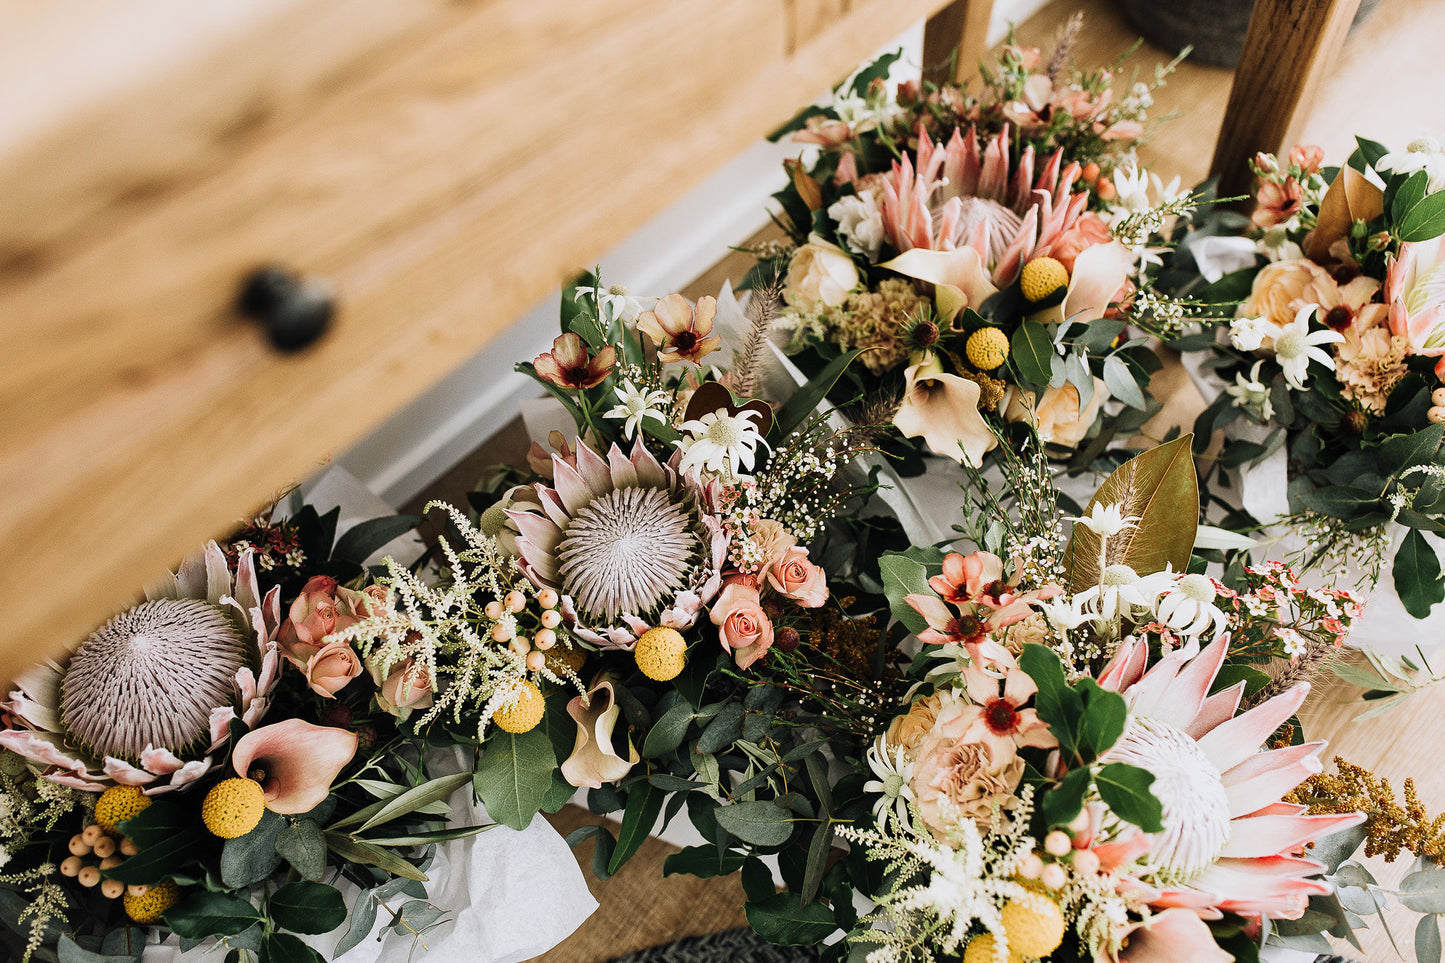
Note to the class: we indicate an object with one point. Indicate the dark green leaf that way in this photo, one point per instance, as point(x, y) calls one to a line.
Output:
point(1066, 800)
point(127, 941)
point(818, 849)
point(70, 951)
point(305, 907)
point(761, 822)
point(514, 774)
point(432, 837)
point(1417, 575)
point(782, 919)
point(285, 948)
point(362, 540)
point(158, 822)
point(360, 851)
point(668, 731)
point(724, 729)
point(1057, 704)
point(1120, 381)
point(1125, 790)
point(1103, 719)
point(158, 860)
point(1339, 501)
point(203, 913)
point(303, 845)
point(363, 918)
point(1425, 221)
point(757, 879)
point(1033, 352)
point(1409, 194)
point(702, 862)
point(807, 398)
point(644, 804)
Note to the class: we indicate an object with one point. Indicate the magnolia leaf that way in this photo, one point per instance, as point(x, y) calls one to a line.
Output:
point(1161, 490)
point(306, 907)
point(203, 913)
point(1417, 575)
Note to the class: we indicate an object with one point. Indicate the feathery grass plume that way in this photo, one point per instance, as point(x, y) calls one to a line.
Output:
point(1318, 651)
point(1064, 46)
point(1019, 517)
point(762, 309)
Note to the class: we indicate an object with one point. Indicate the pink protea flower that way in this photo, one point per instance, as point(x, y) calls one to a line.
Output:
point(147, 700)
point(1413, 292)
point(1229, 844)
point(628, 543)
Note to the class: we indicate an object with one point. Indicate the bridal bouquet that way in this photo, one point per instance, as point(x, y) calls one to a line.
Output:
point(1331, 361)
point(980, 253)
point(207, 762)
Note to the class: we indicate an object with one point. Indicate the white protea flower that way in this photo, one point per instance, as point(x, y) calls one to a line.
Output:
point(1188, 607)
point(720, 442)
point(894, 783)
point(1251, 394)
point(1106, 521)
point(1295, 345)
point(635, 404)
point(1425, 154)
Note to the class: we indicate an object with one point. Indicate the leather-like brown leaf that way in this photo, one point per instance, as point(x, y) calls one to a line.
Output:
point(1350, 198)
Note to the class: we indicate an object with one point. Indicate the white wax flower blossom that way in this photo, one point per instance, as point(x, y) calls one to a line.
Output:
point(1248, 334)
point(1425, 154)
point(1106, 521)
point(634, 404)
point(720, 442)
point(893, 785)
point(625, 306)
point(860, 223)
point(1295, 345)
point(1251, 394)
point(1188, 607)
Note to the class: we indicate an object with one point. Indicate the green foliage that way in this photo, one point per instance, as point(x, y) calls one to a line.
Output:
point(306, 907)
point(784, 920)
point(1416, 575)
point(514, 774)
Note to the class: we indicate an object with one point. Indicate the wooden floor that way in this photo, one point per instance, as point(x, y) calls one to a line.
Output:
point(1385, 89)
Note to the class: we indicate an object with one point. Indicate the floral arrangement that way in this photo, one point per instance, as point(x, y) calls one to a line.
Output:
point(210, 761)
point(1075, 755)
point(1330, 361)
point(979, 253)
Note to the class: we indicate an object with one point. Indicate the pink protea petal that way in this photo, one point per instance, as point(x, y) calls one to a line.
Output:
point(1011, 263)
point(993, 176)
point(1236, 740)
point(46, 748)
point(218, 574)
point(1121, 852)
point(1216, 710)
point(593, 469)
point(538, 530)
point(569, 484)
point(1023, 179)
point(1048, 179)
point(1256, 836)
point(1266, 776)
point(125, 774)
point(1126, 666)
point(247, 591)
point(191, 577)
point(650, 472)
point(185, 775)
point(220, 725)
point(1171, 937)
point(620, 466)
point(162, 762)
point(297, 762)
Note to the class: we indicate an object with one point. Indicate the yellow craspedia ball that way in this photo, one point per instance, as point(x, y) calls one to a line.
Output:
point(117, 804)
point(661, 654)
point(987, 348)
point(148, 907)
point(1041, 277)
point(980, 949)
point(523, 713)
point(1034, 926)
point(233, 807)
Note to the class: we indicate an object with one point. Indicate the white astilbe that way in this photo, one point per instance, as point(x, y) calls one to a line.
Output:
point(949, 890)
point(446, 634)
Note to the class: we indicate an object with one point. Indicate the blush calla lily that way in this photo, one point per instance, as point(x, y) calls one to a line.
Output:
point(294, 761)
point(594, 760)
point(943, 409)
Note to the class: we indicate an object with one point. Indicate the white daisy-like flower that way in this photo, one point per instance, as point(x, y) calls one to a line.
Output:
point(1248, 334)
point(1066, 613)
point(1106, 521)
point(1123, 591)
point(720, 442)
point(1275, 244)
point(1296, 344)
point(895, 773)
point(625, 306)
point(1425, 154)
point(634, 404)
point(1188, 608)
point(1251, 394)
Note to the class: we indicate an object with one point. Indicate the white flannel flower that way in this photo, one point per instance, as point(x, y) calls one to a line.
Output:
point(1062, 612)
point(893, 785)
point(1275, 244)
point(1248, 334)
point(1123, 591)
point(1295, 345)
point(1424, 154)
point(1251, 394)
point(634, 404)
point(720, 442)
point(1132, 184)
point(625, 307)
point(1188, 608)
point(1106, 521)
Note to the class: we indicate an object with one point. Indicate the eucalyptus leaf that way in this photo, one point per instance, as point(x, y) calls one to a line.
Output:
point(724, 729)
point(1427, 940)
point(433, 790)
point(1424, 892)
point(360, 851)
point(363, 539)
point(303, 845)
point(363, 919)
point(70, 951)
point(668, 731)
point(644, 804)
point(1121, 383)
point(760, 822)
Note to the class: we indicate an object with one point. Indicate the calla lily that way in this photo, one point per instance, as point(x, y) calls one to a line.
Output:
point(294, 761)
point(959, 277)
point(593, 760)
point(1415, 292)
point(943, 410)
point(1100, 273)
point(1352, 197)
point(1167, 937)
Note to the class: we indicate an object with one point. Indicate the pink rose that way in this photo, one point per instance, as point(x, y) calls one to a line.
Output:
point(743, 629)
point(955, 780)
point(408, 687)
point(799, 579)
point(333, 665)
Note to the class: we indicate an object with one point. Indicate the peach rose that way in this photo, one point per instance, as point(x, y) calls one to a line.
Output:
point(908, 730)
point(1282, 288)
point(1057, 416)
point(331, 668)
point(799, 579)
point(743, 628)
point(819, 273)
point(408, 687)
point(955, 780)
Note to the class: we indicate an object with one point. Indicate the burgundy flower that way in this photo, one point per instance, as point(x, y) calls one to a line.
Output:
point(569, 366)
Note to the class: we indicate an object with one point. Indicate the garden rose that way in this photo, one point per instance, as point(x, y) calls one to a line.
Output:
point(1282, 288)
point(955, 779)
point(323, 608)
point(408, 687)
point(819, 273)
point(743, 628)
point(1057, 415)
point(772, 541)
point(908, 730)
point(331, 668)
point(799, 579)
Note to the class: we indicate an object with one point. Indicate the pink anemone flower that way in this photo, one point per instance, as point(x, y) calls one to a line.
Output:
point(1229, 843)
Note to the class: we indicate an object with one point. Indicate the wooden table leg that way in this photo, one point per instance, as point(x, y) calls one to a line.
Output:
point(960, 28)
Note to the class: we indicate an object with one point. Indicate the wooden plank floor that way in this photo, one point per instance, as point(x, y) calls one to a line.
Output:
point(1384, 88)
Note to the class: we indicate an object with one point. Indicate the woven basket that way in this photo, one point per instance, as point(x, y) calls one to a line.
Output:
point(1215, 28)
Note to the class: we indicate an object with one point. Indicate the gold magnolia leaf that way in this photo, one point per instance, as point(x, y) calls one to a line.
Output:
point(1162, 490)
point(1351, 198)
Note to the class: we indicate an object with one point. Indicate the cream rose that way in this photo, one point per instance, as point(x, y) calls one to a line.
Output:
point(955, 780)
point(1282, 288)
point(799, 579)
point(819, 273)
point(743, 628)
point(908, 730)
point(1057, 416)
point(772, 541)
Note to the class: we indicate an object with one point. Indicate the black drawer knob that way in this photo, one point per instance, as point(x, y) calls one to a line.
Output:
point(296, 310)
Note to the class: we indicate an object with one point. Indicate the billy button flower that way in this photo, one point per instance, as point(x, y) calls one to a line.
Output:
point(568, 364)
